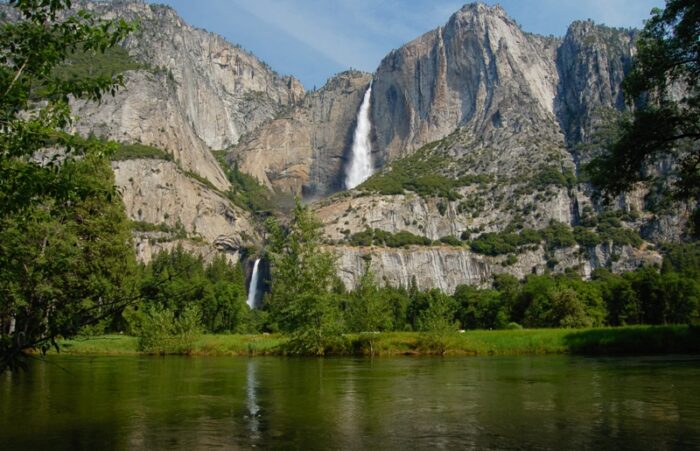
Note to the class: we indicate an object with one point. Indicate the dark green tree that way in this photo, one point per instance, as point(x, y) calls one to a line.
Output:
point(174, 279)
point(302, 301)
point(64, 265)
point(622, 305)
point(437, 320)
point(57, 199)
point(368, 310)
point(224, 307)
point(664, 85)
point(480, 309)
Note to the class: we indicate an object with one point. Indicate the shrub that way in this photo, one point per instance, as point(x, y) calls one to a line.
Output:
point(549, 176)
point(437, 321)
point(382, 238)
point(419, 172)
point(139, 151)
point(586, 237)
point(558, 235)
point(493, 244)
point(160, 332)
point(450, 240)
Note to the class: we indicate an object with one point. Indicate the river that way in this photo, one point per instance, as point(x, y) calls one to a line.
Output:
point(559, 402)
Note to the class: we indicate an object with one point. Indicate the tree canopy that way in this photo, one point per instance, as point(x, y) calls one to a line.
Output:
point(303, 301)
point(664, 125)
point(65, 254)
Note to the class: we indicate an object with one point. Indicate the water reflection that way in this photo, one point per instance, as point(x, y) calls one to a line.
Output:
point(252, 417)
point(404, 403)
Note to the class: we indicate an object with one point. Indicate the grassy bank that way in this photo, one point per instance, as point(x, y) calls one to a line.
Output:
point(605, 341)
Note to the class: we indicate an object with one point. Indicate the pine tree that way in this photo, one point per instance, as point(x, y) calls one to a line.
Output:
point(302, 302)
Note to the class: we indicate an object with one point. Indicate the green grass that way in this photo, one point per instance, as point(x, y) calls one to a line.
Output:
point(102, 345)
point(601, 341)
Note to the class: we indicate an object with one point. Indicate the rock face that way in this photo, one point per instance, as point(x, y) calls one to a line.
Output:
point(522, 98)
point(423, 216)
point(479, 69)
point(448, 267)
point(195, 92)
point(304, 152)
point(147, 112)
point(591, 62)
point(222, 90)
point(158, 192)
point(499, 102)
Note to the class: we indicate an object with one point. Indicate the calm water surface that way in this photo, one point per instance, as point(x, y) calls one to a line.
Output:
point(559, 402)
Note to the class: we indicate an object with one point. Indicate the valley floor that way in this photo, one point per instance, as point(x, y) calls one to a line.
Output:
point(638, 340)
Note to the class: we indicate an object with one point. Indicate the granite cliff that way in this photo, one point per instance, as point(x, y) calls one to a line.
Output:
point(303, 152)
point(476, 134)
point(193, 93)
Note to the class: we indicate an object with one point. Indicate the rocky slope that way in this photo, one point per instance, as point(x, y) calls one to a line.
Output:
point(194, 92)
point(222, 90)
point(146, 111)
point(158, 192)
point(479, 69)
point(446, 267)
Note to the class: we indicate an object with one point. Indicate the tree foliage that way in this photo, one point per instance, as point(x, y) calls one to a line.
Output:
point(65, 251)
point(303, 301)
point(177, 280)
point(664, 83)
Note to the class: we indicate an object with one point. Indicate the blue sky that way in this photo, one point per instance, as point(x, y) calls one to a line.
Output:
point(315, 39)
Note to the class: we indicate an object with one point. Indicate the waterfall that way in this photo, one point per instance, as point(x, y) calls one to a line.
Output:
point(253, 287)
point(360, 167)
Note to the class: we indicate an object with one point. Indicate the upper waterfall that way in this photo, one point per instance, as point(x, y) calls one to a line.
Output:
point(360, 167)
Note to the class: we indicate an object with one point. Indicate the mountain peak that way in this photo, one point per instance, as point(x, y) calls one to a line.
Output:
point(480, 15)
point(482, 8)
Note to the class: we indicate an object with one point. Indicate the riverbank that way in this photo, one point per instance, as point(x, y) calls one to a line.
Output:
point(635, 340)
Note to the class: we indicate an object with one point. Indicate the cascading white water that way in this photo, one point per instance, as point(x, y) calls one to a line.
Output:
point(253, 287)
point(360, 167)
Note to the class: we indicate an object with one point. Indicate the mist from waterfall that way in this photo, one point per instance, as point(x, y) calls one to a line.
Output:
point(360, 167)
point(253, 287)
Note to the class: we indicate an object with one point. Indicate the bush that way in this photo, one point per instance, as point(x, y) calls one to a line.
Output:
point(551, 176)
point(419, 172)
point(382, 238)
point(139, 151)
point(450, 240)
point(586, 237)
point(495, 244)
point(558, 235)
point(437, 321)
point(160, 332)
